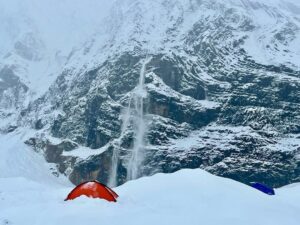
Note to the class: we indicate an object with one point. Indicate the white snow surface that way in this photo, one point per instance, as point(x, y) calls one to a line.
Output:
point(20, 162)
point(84, 152)
point(29, 194)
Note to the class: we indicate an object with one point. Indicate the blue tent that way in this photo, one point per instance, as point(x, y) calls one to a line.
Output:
point(263, 188)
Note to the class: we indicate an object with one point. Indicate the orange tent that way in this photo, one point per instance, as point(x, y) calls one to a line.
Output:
point(93, 189)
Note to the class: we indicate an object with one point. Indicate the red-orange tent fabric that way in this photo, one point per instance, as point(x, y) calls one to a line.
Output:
point(93, 189)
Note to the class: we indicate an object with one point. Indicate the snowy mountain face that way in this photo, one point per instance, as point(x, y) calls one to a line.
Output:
point(166, 84)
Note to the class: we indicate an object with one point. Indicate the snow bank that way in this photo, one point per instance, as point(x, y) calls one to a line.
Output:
point(185, 197)
point(18, 161)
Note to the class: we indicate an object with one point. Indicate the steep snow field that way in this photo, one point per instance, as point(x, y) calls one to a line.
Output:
point(29, 194)
point(40, 36)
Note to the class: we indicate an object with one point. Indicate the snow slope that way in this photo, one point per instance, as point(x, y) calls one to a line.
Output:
point(40, 36)
point(188, 196)
point(19, 162)
point(30, 195)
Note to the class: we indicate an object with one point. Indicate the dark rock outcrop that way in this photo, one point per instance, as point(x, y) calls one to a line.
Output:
point(210, 103)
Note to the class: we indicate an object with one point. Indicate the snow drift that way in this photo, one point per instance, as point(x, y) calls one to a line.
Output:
point(187, 196)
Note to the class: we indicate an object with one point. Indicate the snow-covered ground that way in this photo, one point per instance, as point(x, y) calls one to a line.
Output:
point(29, 194)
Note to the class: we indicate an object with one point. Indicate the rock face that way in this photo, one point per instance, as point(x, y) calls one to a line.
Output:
point(223, 88)
point(12, 90)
